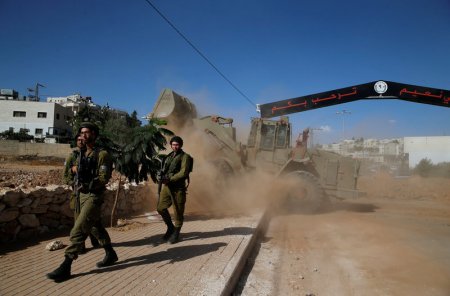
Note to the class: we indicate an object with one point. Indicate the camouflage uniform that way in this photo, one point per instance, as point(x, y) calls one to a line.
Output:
point(93, 173)
point(68, 176)
point(69, 179)
point(176, 168)
point(91, 200)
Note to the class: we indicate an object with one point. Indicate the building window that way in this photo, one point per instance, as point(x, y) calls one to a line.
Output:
point(42, 114)
point(19, 114)
point(57, 116)
point(38, 131)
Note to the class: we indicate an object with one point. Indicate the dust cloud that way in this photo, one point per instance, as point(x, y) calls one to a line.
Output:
point(220, 187)
point(383, 185)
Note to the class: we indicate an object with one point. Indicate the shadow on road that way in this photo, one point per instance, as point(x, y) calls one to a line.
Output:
point(155, 240)
point(170, 256)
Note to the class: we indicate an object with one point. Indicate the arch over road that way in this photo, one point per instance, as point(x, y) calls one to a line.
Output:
point(375, 90)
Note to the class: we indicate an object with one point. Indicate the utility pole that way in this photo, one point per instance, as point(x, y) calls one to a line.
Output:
point(343, 112)
point(35, 96)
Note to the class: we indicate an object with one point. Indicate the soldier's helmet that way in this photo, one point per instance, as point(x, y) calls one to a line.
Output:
point(177, 139)
point(90, 125)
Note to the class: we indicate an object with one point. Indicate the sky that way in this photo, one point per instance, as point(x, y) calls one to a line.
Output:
point(123, 53)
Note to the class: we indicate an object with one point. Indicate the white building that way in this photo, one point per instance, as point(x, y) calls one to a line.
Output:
point(8, 94)
point(74, 102)
point(436, 149)
point(392, 147)
point(332, 147)
point(371, 144)
point(40, 119)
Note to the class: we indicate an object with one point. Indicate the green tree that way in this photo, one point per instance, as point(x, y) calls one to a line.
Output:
point(21, 136)
point(443, 169)
point(133, 121)
point(424, 168)
point(138, 158)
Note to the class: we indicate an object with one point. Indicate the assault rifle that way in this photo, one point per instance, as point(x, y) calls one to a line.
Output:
point(77, 184)
point(160, 177)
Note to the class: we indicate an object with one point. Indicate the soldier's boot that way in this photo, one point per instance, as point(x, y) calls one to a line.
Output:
point(168, 220)
point(110, 257)
point(62, 273)
point(175, 237)
point(83, 249)
point(94, 241)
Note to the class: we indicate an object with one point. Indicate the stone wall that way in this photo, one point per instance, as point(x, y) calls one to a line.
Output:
point(16, 148)
point(28, 213)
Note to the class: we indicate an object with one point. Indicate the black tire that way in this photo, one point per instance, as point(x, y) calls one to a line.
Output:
point(306, 194)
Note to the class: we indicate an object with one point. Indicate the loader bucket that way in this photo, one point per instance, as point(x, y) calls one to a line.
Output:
point(176, 109)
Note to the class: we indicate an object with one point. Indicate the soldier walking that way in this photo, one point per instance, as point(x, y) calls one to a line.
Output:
point(175, 180)
point(94, 171)
point(70, 178)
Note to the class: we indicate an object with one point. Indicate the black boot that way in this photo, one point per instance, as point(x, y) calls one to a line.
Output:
point(83, 249)
point(62, 273)
point(94, 242)
point(168, 220)
point(175, 237)
point(110, 257)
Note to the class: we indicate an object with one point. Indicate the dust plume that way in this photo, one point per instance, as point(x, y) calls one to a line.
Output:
point(383, 185)
point(219, 187)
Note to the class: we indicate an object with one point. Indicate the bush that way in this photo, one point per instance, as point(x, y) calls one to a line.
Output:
point(425, 168)
point(21, 136)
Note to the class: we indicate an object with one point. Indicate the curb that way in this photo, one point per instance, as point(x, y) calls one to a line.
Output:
point(230, 285)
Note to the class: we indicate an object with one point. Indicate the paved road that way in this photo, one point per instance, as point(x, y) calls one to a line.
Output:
point(206, 262)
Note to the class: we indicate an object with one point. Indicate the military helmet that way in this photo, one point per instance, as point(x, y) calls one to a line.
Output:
point(177, 139)
point(90, 125)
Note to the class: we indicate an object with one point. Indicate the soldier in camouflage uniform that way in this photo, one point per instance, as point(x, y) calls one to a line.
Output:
point(177, 167)
point(95, 171)
point(69, 178)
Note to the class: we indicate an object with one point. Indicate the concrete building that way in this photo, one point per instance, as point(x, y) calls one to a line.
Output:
point(74, 102)
point(332, 147)
point(371, 144)
point(397, 152)
point(77, 102)
point(40, 119)
point(8, 94)
point(392, 147)
point(436, 149)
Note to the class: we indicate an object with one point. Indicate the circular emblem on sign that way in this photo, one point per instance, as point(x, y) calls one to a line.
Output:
point(380, 87)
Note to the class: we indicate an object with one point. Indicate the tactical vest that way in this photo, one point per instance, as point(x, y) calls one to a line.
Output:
point(88, 167)
point(173, 163)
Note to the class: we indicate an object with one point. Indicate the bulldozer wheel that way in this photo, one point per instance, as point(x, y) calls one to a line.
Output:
point(306, 194)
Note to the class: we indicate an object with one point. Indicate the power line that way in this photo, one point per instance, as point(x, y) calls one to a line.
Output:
point(199, 52)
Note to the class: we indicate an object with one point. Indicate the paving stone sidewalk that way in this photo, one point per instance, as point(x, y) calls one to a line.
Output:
point(207, 261)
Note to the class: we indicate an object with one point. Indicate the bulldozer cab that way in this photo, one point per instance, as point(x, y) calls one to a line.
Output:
point(269, 143)
point(269, 148)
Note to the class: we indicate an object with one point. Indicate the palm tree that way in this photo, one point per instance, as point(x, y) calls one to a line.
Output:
point(139, 158)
